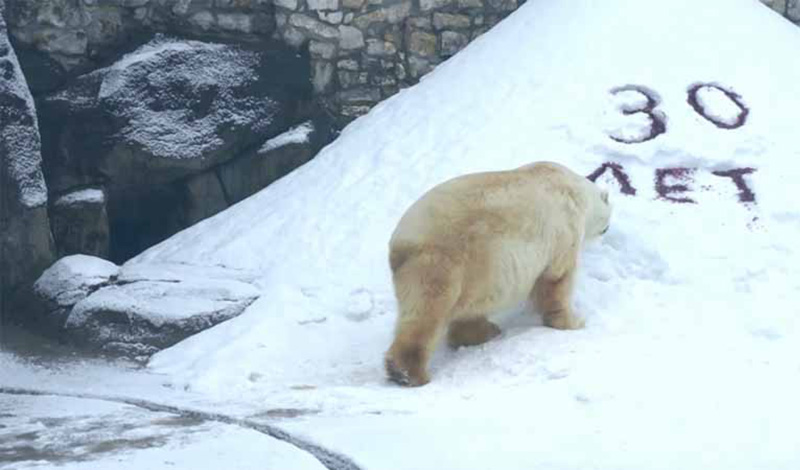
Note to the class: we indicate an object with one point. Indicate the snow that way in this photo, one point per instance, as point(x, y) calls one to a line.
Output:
point(82, 196)
point(690, 355)
point(296, 135)
point(19, 130)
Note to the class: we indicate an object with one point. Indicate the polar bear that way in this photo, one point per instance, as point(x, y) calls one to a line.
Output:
point(482, 243)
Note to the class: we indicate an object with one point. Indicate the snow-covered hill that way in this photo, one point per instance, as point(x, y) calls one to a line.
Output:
point(690, 358)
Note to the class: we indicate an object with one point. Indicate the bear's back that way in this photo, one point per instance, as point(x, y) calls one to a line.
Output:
point(489, 204)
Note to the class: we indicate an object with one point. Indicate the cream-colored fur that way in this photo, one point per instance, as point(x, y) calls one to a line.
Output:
point(482, 243)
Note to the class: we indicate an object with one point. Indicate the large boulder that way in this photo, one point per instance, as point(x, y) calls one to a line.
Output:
point(68, 281)
point(154, 307)
point(167, 110)
point(138, 309)
point(26, 247)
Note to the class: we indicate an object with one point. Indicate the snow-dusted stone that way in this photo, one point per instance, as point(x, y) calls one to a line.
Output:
point(153, 307)
point(26, 247)
point(67, 282)
point(80, 223)
point(167, 110)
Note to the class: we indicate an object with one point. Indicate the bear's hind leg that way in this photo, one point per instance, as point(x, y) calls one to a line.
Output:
point(407, 359)
point(553, 299)
point(427, 289)
point(471, 332)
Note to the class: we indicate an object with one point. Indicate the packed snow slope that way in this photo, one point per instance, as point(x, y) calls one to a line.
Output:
point(691, 353)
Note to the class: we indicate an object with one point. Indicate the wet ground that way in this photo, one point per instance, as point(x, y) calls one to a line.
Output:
point(44, 431)
point(64, 409)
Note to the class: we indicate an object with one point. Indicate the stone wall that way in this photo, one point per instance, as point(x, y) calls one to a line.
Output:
point(76, 32)
point(364, 51)
point(361, 51)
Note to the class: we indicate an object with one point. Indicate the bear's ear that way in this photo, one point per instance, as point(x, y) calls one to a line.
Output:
point(604, 195)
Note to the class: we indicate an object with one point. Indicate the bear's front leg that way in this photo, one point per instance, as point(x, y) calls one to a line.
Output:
point(553, 298)
point(471, 332)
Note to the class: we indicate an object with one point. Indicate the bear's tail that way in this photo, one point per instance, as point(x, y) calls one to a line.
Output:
point(427, 284)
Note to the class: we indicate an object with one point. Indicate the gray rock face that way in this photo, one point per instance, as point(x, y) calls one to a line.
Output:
point(25, 242)
point(152, 129)
point(792, 10)
point(139, 220)
point(278, 156)
point(44, 74)
point(203, 196)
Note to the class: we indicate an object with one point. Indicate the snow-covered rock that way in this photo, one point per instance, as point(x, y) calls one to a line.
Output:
point(150, 308)
point(25, 242)
point(136, 310)
point(68, 281)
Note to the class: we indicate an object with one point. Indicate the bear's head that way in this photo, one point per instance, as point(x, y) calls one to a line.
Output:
point(598, 212)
